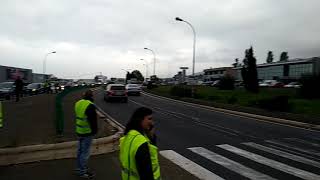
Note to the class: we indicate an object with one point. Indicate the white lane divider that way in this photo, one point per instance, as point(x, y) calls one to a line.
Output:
point(283, 154)
point(272, 163)
point(190, 166)
point(230, 164)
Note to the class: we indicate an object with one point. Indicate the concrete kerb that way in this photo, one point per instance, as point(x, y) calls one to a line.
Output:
point(246, 115)
point(34, 153)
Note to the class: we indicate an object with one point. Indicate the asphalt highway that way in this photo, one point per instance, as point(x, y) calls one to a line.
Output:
point(215, 145)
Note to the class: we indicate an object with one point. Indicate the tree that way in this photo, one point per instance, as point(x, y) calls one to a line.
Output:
point(284, 56)
point(270, 57)
point(137, 74)
point(249, 72)
point(236, 64)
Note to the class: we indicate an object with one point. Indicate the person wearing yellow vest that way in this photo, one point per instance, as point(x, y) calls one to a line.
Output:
point(138, 150)
point(1, 115)
point(86, 128)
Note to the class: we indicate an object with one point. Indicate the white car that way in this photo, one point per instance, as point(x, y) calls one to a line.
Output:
point(133, 89)
point(293, 85)
point(267, 83)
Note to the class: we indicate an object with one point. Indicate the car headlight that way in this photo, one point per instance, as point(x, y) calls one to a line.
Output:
point(33, 89)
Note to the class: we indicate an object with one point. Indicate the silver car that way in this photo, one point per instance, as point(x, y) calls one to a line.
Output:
point(133, 89)
point(116, 92)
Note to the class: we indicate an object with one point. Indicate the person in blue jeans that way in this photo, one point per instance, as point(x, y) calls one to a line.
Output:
point(86, 128)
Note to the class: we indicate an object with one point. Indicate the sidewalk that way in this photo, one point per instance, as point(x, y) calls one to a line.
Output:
point(106, 167)
point(32, 121)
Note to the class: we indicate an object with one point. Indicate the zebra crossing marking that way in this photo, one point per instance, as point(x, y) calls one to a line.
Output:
point(292, 147)
point(304, 142)
point(272, 163)
point(190, 166)
point(230, 164)
point(283, 154)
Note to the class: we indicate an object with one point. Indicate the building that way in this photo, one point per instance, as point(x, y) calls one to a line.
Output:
point(213, 74)
point(40, 78)
point(11, 73)
point(290, 70)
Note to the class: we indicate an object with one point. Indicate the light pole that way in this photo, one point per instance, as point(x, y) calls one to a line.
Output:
point(146, 67)
point(45, 61)
point(154, 60)
point(194, 42)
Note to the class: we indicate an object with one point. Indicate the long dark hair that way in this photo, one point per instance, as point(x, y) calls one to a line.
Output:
point(136, 118)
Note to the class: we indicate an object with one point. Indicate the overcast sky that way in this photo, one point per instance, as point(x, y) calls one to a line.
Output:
point(92, 36)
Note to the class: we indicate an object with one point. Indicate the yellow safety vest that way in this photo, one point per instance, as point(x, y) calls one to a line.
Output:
point(82, 124)
point(1, 115)
point(129, 145)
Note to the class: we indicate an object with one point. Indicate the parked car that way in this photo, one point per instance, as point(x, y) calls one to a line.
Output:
point(35, 88)
point(7, 89)
point(116, 92)
point(277, 85)
point(293, 85)
point(267, 83)
point(133, 89)
point(207, 83)
point(216, 83)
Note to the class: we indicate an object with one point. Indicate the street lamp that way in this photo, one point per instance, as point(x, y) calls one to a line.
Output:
point(194, 42)
point(154, 60)
point(146, 67)
point(45, 61)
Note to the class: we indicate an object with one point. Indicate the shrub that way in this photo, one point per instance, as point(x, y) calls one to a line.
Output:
point(310, 86)
point(226, 83)
point(181, 91)
point(277, 103)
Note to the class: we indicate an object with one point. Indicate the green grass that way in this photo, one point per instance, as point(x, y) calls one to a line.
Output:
point(243, 98)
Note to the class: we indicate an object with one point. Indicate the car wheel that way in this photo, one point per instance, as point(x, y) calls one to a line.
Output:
point(125, 100)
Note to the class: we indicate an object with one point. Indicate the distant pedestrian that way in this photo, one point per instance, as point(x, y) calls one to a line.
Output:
point(86, 128)
point(138, 150)
point(19, 87)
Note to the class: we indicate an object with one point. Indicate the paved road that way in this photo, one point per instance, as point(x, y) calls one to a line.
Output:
point(213, 145)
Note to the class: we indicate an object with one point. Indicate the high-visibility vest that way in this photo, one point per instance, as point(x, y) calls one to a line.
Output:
point(129, 145)
point(1, 115)
point(82, 124)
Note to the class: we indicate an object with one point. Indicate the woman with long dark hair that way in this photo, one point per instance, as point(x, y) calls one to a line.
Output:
point(138, 151)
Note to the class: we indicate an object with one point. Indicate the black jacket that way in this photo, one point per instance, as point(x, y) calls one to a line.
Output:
point(92, 119)
point(143, 161)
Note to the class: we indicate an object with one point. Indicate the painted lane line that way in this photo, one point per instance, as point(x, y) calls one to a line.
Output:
point(283, 154)
point(272, 163)
point(189, 166)
point(230, 164)
point(293, 147)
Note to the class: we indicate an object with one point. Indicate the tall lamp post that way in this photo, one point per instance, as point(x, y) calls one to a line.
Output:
point(45, 61)
point(194, 42)
point(154, 60)
point(146, 68)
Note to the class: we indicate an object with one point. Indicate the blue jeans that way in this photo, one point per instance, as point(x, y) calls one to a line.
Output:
point(83, 154)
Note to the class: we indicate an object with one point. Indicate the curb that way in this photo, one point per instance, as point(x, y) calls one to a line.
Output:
point(34, 153)
point(246, 115)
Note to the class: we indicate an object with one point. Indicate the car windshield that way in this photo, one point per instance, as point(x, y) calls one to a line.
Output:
point(6, 85)
point(117, 88)
point(33, 86)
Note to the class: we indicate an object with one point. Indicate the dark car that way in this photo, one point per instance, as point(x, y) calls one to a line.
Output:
point(7, 89)
point(116, 92)
point(35, 88)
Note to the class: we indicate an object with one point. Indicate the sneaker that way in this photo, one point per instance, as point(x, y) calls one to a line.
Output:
point(87, 175)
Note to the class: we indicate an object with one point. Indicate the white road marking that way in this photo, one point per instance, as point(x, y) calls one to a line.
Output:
point(190, 166)
point(303, 141)
point(293, 147)
point(283, 154)
point(230, 164)
point(272, 163)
